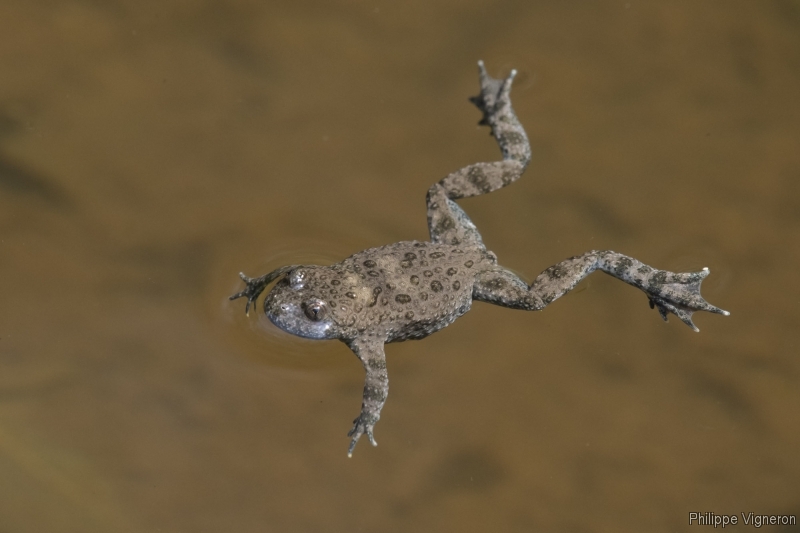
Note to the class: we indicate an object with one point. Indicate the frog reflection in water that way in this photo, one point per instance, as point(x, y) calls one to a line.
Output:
point(411, 289)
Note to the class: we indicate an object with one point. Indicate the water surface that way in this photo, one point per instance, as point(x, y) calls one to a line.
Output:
point(149, 151)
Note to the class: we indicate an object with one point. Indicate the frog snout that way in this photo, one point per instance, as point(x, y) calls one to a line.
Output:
point(284, 315)
point(275, 309)
point(293, 317)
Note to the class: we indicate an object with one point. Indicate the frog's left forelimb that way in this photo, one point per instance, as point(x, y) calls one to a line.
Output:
point(376, 387)
point(678, 294)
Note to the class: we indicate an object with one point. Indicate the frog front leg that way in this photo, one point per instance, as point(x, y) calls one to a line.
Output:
point(376, 388)
point(255, 286)
point(676, 293)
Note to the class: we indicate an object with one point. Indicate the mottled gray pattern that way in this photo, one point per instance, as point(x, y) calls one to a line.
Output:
point(409, 290)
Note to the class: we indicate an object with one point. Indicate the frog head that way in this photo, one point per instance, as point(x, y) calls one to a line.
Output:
point(301, 303)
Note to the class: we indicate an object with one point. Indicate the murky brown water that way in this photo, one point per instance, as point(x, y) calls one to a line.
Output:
point(150, 150)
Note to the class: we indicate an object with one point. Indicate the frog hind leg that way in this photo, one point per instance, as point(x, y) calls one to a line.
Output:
point(447, 222)
point(676, 293)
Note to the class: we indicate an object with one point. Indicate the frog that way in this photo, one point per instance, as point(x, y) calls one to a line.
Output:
point(411, 289)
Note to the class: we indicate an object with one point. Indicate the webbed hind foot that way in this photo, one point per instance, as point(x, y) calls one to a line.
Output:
point(495, 103)
point(494, 94)
point(679, 294)
point(364, 424)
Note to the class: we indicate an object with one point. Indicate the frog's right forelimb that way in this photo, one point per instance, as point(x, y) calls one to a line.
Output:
point(255, 286)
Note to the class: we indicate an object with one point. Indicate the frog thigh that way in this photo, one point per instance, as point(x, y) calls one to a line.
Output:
point(448, 223)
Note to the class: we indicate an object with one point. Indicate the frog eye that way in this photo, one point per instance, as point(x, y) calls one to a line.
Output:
point(298, 278)
point(316, 309)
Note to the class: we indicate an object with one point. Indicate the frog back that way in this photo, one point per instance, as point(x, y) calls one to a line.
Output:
point(410, 289)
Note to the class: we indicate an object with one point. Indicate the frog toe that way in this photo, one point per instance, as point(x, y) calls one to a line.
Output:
point(361, 425)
